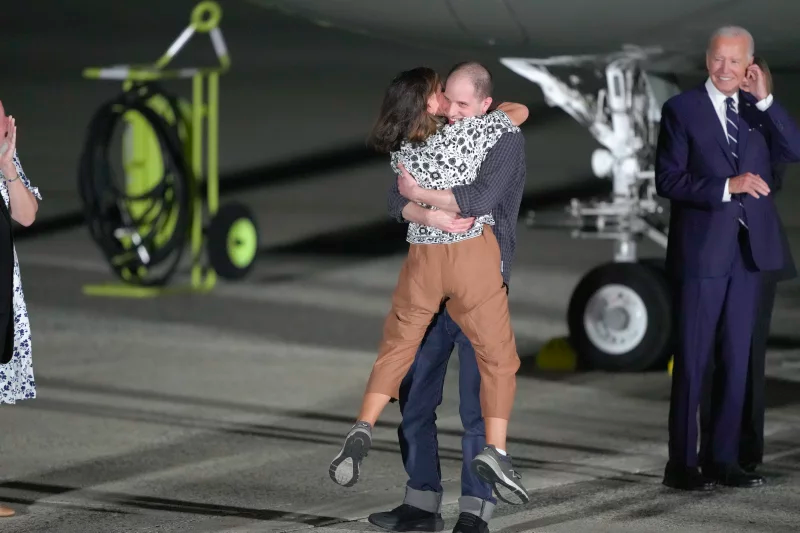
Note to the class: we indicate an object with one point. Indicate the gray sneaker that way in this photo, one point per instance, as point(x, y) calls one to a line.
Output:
point(344, 468)
point(496, 469)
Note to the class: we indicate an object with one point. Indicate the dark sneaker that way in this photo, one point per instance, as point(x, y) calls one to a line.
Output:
point(407, 518)
point(496, 469)
point(344, 468)
point(470, 523)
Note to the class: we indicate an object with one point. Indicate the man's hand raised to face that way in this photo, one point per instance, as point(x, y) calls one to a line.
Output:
point(755, 82)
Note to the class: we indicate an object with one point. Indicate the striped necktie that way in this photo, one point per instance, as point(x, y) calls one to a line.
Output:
point(732, 130)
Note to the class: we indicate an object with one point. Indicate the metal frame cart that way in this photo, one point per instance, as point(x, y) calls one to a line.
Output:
point(143, 226)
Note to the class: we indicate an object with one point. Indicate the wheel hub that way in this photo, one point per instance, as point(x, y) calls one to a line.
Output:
point(615, 319)
point(242, 242)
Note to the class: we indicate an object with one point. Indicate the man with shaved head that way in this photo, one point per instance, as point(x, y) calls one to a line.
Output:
point(468, 90)
point(717, 148)
point(497, 190)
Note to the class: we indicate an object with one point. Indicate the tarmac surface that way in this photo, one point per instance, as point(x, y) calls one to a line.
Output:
point(221, 412)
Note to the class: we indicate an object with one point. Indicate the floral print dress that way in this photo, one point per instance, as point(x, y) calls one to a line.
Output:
point(16, 376)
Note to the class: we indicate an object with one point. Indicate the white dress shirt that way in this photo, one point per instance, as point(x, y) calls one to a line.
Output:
point(718, 101)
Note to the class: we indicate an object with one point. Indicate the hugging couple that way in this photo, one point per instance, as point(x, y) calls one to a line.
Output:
point(459, 186)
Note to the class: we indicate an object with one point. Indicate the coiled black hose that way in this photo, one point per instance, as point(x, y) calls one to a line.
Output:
point(135, 246)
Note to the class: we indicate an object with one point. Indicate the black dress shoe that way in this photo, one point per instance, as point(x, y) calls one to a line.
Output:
point(407, 518)
point(469, 523)
point(734, 476)
point(686, 478)
point(749, 466)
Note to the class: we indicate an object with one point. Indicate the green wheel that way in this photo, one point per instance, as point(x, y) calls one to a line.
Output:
point(232, 241)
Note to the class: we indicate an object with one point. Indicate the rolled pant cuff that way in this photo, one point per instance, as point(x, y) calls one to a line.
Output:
point(481, 508)
point(427, 500)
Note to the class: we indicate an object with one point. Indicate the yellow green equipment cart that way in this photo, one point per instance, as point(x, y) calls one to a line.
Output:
point(145, 211)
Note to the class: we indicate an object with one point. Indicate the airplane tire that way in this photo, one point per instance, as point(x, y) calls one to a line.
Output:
point(620, 317)
point(660, 266)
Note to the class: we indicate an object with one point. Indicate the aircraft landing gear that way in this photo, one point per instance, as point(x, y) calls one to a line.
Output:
point(620, 314)
point(620, 317)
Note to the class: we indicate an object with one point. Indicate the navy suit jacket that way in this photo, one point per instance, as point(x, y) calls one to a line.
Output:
point(789, 270)
point(693, 160)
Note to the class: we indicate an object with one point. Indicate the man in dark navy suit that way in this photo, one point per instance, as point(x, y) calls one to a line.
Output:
point(751, 437)
point(716, 151)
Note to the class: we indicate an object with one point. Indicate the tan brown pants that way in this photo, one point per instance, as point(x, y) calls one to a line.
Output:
point(468, 272)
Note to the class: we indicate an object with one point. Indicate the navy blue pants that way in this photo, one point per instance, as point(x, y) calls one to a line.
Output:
point(420, 395)
point(713, 310)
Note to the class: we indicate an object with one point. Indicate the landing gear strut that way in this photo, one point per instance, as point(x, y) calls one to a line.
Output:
point(620, 315)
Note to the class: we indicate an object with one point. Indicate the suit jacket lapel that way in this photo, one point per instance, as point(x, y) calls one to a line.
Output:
point(708, 115)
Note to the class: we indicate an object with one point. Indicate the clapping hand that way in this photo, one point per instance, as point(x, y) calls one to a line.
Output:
point(8, 142)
